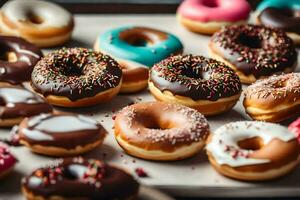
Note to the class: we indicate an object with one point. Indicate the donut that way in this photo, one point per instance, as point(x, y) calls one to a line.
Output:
point(208, 16)
point(17, 103)
point(254, 51)
point(143, 45)
point(281, 14)
point(40, 22)
point(7, 160)
point(160, 131)
point(273, 99)
point(295, 128)
point(201, 83)
point(134, 76)
point(77, 77)
point(17, 61)
point(249, 150)
point(79, 178)
point(60, 134)
point(136, 49)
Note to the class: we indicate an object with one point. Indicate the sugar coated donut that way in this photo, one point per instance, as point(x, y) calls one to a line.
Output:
point(253, 151)
point(79, 178)
point(201, 83)
point(208, 16)
point(7, 160)
point(17, 103)
point(254, 51)
point(295, 128)
point(19, 58)
point(281, 14)
point(274, 99)
point(77, 77)
point(160, 131)
point(60, 134)
point(40, 22)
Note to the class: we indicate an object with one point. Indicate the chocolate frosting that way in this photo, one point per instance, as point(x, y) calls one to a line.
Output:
point(19, 102)
point(75, 73)
point(256, 50)
point(27, 55)
point(286, 19)
point(196, 77)
point(81, 178)
point(61, 130)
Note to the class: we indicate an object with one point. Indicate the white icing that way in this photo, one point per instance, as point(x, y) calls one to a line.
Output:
point(24, 51)
point(230, 134)
point(12, 96)
point(53, 15)
point(62, 123)
point(36, 135)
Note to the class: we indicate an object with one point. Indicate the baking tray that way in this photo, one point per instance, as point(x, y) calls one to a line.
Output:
point(190, 177)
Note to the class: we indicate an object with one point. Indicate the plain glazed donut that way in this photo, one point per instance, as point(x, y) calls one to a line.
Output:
point(42, 23)
point(281, 14)
point(295, 128)
point(135, 76)
point(274, 99)
point(201, 83)
point(79, 178)
point(17, 103)
point(253, 151)
point(160, 131)
point(7, 160)
point(18, 60)
point(254, 51)
point(208, 16)
point(60, 134)
point(77, 77)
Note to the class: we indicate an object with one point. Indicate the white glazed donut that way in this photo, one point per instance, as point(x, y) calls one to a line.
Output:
point(252, 150)
point(42, 23)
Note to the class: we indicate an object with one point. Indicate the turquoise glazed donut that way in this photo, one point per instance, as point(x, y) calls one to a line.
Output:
point(142, 45)
point(283, 14)
point(291, 4)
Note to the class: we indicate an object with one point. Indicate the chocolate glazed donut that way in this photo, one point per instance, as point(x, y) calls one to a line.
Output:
point(81, 179)
point(254, 51)
point(286, 19)
point(77, 77)
point(18, 58)
point(17, 103)
point(61, 134)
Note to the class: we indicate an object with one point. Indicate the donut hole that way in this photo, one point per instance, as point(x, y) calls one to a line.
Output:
point(195, 73)
point(151, 121)
point(210, 3)
point(138, 40)
point(74, 172)
point(253, 144)
point(7, 55)
point(34, 19)
point(250, 41)
point(71, 69)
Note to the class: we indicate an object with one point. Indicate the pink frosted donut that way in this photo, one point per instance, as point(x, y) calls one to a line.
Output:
point(7, 160)
point(207, 16)
point(295, 128)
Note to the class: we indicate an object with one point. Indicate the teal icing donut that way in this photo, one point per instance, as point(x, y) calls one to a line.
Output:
point(143, 45)
point(291, 4)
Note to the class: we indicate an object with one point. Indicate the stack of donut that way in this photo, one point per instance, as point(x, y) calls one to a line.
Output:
point(188, 88)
